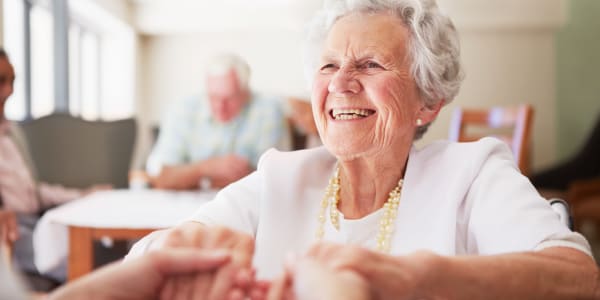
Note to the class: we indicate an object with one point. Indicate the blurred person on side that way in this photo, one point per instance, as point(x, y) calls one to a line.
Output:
point(20, 192)
point(215, 139)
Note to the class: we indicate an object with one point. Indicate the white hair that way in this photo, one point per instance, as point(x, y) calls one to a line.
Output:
point(223, 63)
point(433, 45)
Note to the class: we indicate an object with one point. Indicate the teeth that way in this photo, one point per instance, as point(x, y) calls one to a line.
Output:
point(350, 114)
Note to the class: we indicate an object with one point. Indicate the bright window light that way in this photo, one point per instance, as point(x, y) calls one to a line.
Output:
point(42, 62)
point(13, 44)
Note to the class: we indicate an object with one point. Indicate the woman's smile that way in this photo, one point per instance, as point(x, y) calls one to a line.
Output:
point(349, 114)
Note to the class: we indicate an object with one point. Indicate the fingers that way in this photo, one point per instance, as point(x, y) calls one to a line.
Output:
point(180, 261)
point(314, 280)
point(223, 282)
point(277, 290)
point(202, 285)
point(259, 290)
point(344, 256)
point(224, 253)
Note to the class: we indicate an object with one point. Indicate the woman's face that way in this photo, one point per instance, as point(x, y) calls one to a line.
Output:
point(364, 98)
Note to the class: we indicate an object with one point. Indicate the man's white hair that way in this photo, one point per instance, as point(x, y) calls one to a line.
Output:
point(223, 63)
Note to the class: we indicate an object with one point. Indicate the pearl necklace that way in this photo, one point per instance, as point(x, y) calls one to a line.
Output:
point(386, 224)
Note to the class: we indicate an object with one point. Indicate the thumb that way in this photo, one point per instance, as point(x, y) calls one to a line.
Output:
point(182, 261)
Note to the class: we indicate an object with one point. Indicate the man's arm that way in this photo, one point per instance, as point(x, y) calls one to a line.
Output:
point(181, 177)
point(221, 171)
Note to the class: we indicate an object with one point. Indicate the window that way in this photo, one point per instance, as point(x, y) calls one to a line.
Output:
point(42, 64)
point(13, 43)
point(100, 64)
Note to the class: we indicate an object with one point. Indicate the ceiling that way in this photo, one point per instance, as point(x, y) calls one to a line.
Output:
point(173, 16)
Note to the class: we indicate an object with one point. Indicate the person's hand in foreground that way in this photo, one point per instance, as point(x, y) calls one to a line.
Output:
point(143, 277)
point(309, 279)
point(389, 277)
point(231, 281)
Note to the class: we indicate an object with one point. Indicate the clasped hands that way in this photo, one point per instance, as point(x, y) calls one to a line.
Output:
point(308, 277)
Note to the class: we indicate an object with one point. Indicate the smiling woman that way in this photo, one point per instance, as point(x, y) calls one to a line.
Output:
point(448, 221)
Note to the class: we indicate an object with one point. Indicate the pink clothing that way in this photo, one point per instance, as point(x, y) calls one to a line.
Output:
point(18, 189)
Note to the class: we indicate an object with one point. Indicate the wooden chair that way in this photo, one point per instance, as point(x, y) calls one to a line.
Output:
point(510, 124)
point(301, 122)
point(78, 153)
point(584, 197)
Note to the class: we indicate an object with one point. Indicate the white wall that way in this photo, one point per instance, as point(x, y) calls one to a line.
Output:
point(508, 53)
point(173, 65)
point(509, 68)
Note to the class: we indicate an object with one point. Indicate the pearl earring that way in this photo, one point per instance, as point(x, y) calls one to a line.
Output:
point(419, 122)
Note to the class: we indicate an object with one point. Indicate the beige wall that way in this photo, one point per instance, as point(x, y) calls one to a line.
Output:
point(578, 82)
point(509, 67)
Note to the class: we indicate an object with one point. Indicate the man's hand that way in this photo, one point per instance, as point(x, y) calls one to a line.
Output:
point(97, 188)
point(224, 170)
point(143, 277)
point(221, 171)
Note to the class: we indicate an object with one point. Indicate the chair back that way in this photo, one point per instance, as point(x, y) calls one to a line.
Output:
point(78, 153)
point(301, 122)
point(510, 124)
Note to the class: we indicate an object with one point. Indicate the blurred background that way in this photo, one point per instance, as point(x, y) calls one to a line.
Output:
point(121, 64)
point(114, 59)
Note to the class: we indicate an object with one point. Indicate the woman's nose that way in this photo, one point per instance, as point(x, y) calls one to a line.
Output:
point(343, 81)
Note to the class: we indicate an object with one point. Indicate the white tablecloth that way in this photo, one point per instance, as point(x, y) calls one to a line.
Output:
point(131, 209)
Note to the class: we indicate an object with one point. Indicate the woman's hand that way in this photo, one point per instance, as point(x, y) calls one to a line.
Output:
point(388, 277)
point(308, 279)
point(231, 281)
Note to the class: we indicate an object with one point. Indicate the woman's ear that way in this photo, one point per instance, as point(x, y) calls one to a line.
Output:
point(427, 114)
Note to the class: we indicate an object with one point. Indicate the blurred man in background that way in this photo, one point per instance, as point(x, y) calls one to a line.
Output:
point(216, 139)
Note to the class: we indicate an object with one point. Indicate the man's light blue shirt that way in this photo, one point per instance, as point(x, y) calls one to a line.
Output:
point(189, 133)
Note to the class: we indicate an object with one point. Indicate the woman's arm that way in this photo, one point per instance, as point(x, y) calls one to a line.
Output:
point(553, 273)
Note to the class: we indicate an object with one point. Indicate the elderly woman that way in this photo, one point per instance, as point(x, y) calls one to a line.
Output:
point(449, 221)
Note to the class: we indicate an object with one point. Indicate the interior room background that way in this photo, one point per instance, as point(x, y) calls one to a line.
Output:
point(136, 57)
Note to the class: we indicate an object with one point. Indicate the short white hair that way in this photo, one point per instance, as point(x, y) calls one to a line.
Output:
point(223, 63)
point(433, 44)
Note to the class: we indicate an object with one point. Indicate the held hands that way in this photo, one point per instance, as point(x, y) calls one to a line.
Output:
point(231, 281)
point(223, 170)
point(327, 271)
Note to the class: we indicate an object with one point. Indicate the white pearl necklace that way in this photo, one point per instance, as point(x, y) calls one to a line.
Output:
point(386, 224)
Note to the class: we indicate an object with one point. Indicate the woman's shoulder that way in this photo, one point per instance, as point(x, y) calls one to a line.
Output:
point(483, 146)
point(475, 153)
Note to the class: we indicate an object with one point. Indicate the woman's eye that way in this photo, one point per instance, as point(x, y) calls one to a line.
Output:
point(373, 65)
point(327, 66)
